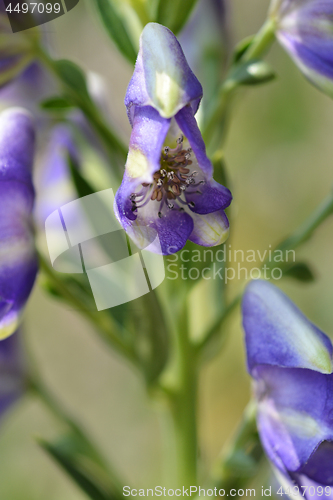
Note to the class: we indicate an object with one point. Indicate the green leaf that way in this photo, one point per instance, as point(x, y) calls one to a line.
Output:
point(56, 103)
point(301, 272)
point(173, 13)
point(116, 28)
point(81, 472)
point(73, 77)
point(253, 72)
point(82, 186)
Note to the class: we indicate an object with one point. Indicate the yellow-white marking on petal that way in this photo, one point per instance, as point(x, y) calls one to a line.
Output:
point(137, 164)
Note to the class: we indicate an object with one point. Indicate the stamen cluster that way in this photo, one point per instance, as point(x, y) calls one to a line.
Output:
point(170, 182)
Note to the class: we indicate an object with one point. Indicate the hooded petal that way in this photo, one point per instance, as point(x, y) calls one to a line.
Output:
point(278, 334)
point(210, 230)
point(18, 261)
point(162, 77)
point(305, 29)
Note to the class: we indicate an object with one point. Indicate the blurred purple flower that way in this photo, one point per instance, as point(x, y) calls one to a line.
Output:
point(54, 186)
point(12, 372)
point(168, 184)
point(18, 259)
point(205, 41)
point(290, 361)
point(305, 30)
point(27, 90)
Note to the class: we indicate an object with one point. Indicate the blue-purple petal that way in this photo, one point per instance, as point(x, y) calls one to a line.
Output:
point(305, 29)
point(294, 413)
point(188, 125)
point(319, 467)
point(147, 138)
point(18, 260)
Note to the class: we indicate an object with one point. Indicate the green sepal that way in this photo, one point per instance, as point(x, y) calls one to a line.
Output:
point(116, 28)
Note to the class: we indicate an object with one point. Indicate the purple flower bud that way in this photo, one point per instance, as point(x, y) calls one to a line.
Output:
point(290, 361)
point(18, 260)
point(161, 101)
point(305, 30)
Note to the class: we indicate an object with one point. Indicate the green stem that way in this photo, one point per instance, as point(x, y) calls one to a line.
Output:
point(183, 399)
point(259, 46)
point(103, 322)
point(261, 42)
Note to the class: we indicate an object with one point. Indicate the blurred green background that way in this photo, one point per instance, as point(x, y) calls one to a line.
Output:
point(279, 153)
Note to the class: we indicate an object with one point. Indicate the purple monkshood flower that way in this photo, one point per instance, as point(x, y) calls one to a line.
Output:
point(18, 259)
point(290, 361)
point(168, 185)
point(12, 372)
point(305, 30)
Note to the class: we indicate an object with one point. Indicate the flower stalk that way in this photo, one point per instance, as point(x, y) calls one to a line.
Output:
point(256, 50)
point(182, 398)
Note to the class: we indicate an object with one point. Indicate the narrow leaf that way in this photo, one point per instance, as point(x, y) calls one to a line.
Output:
point(73, 76)
point(174, 13)
point(116, 28)
point(301, 272)
point(82, 186)
point(77, 473)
